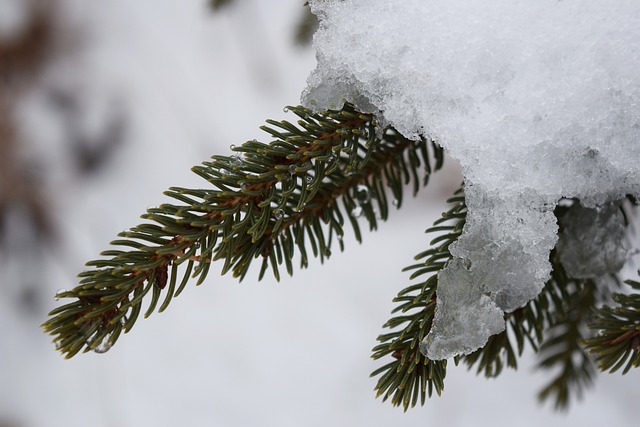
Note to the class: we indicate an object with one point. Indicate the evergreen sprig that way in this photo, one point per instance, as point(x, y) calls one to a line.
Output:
point(290, 199)
point(269, 202)
point(554, 324)
point(573, 303)
point(410, 377)
point(573, 322)
point(618, 341)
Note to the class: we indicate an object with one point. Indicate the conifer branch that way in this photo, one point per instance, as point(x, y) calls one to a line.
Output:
point(269, 202)
point(411, 376)
point(570, 332)
point(553, 323)
point(562, 350)
point(562, 311)
point(618, 341)
point(291, 198)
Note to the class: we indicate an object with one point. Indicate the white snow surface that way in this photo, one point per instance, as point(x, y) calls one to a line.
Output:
point(537, 100)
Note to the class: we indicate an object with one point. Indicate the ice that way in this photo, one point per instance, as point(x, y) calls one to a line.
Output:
point(460, 305)
point(592, 242)
point(537, 100)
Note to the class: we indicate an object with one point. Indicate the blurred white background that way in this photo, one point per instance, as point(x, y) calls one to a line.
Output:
point(129, 96)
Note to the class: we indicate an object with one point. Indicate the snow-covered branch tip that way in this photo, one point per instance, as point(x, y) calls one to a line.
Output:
point(558, 324)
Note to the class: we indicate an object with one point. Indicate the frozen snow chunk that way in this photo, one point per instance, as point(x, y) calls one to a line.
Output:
point(501, 262)
point(506, 247)
point(537, 101)
point(464, 316)
point(593, 241)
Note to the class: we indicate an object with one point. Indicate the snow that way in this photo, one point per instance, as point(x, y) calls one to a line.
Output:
point(537, 100)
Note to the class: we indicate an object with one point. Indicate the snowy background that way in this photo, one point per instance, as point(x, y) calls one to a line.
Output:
point(186, 83)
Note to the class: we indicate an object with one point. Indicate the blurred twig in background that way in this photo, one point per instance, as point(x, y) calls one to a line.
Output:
point(303, 30)
point(22, 60)
point(27, 54)
point(306, 27)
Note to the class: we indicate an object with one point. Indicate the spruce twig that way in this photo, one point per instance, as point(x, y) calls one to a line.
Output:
point(290, 199)
point(617, 344)
point(269, 202)
point(562, 349)
point(553, 323)
point(410, 377)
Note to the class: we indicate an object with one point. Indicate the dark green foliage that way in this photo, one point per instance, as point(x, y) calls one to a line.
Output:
point(268, 202)
point(572, 304)
point(410, 376)
point(572, 307)
point(618, 341)
point(554, 324)
point(290, 199)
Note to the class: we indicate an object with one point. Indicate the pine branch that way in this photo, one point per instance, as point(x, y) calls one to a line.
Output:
point(574, 301)
point(561, 311)
point(269, 202)
point(411, 376)
point(554, 323)
point(618, 341)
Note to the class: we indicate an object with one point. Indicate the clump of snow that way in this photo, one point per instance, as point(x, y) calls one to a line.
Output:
point(537, 100)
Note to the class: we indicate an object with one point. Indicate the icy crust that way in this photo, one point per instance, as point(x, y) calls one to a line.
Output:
point(537, 100)
point(593, 242)
point(461, 304)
